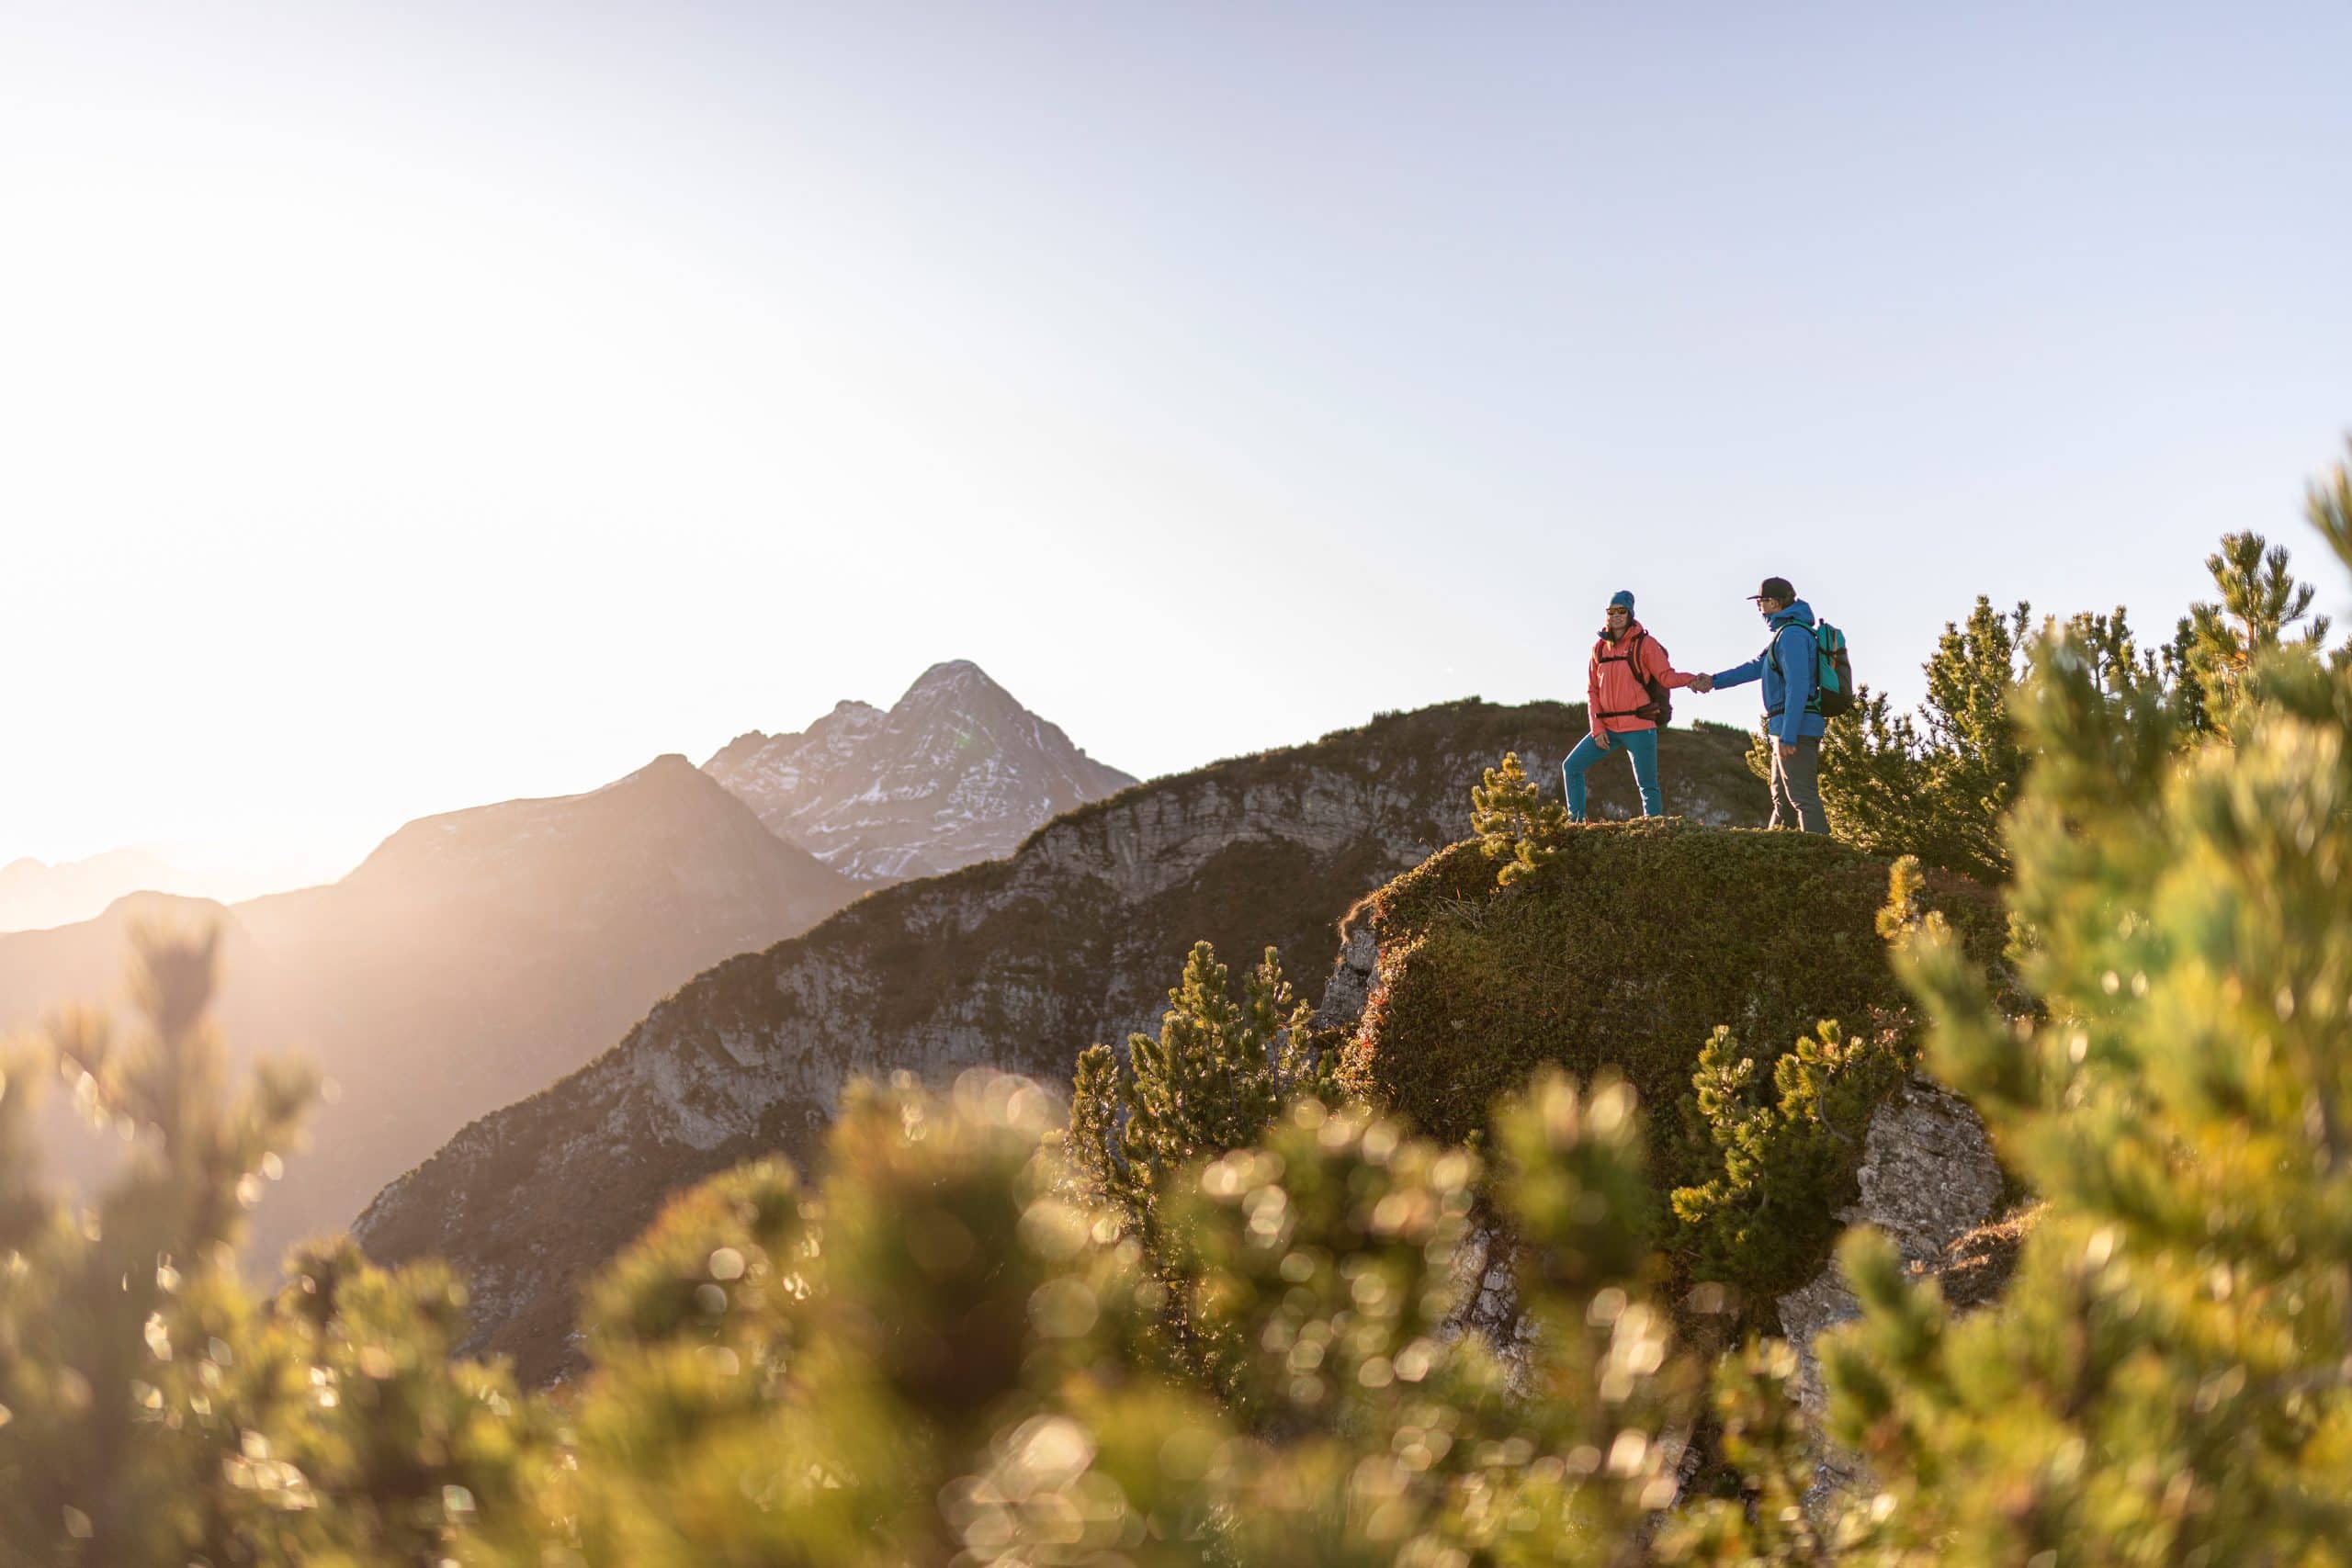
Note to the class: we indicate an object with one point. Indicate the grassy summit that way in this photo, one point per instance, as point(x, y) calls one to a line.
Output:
point(1626, 950)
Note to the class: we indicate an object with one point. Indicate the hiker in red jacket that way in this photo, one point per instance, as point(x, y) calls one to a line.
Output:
point(1623, 713)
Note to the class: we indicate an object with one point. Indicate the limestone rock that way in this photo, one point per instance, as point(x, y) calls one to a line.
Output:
point(1928, 1178)
point(1929, 1174)
point(1349, 986)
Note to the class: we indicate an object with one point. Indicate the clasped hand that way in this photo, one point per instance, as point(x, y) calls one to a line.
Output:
point(1702, 683)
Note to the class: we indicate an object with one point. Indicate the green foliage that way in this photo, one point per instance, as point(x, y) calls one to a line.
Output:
point(1870, 775)
point(1763, 1441)
point(2327, 505)
point(1782, 1145)
point(2219, 645)
point(761, 1397)
point(2167, 1378)
point(1939, 785)
point(959, 1379)
point(152, 1411)
point(1212, 1081)
point(1513, 823)
point(2261, 601)
point(1625, 951)
point(657, 1294)
point(358, 1417)
point(1333, 1258)
point(944, 1359)
point(1770, 1151)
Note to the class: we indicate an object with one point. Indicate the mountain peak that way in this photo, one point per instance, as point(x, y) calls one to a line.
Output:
point(957, 771)
point(952, 676)
point(669, 767)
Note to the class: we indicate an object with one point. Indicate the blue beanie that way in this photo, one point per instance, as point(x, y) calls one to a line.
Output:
point(1623, 596)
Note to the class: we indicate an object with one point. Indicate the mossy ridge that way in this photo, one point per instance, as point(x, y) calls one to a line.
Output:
point(1626, 950)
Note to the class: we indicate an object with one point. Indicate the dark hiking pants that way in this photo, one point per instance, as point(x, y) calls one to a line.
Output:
point(1796, 787)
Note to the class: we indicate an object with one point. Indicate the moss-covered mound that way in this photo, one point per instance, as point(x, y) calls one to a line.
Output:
point(1626, 950)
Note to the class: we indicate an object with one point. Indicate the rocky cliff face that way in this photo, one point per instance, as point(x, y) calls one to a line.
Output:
point(957, 771)
point(1017, 963)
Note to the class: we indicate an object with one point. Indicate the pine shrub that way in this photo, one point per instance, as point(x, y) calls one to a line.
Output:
point(1513, 823)
point(2167, 1378)
point(152, 1412)
point(1211, 1080)
point(1781, 1146)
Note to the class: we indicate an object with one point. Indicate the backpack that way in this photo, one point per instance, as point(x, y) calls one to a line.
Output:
point(1659, 709)
point(1833, 671)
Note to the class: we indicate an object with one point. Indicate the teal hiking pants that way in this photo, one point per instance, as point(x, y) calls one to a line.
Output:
point(1639, 744)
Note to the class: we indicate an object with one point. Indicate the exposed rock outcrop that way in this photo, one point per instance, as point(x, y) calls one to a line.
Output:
point(1929, 1177)
point(1929, 1181)
point(1349, 986)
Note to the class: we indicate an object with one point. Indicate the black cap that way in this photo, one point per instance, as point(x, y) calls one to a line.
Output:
point(1775, 588)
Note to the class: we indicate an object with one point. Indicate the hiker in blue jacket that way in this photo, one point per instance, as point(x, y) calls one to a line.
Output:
point(1792, 705)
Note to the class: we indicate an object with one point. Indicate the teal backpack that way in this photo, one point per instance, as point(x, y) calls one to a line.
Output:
point(1833, 671)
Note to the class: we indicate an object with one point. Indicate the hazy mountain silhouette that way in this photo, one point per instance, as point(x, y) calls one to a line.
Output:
point(35, 895)
point(957, 771)
point(472, 958)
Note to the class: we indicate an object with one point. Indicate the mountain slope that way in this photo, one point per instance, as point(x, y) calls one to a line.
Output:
point(1017, 963)
point(472, 958)
point(957, 771)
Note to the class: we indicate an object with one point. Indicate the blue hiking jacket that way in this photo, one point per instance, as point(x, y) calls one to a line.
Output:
point(1788, 688)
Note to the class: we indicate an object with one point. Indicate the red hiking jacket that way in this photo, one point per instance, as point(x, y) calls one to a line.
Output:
point(1613, 690)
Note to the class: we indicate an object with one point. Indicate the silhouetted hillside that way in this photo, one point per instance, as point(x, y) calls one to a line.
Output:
point(35, 895)
point(474, 957)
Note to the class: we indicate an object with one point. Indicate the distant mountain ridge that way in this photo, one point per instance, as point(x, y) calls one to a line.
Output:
point(1016, 963)
point(472, 958)
point(34, 894)
point(478, 955)
point(957, 771)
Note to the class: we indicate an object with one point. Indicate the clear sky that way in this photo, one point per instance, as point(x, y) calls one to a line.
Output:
point(403, 408)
